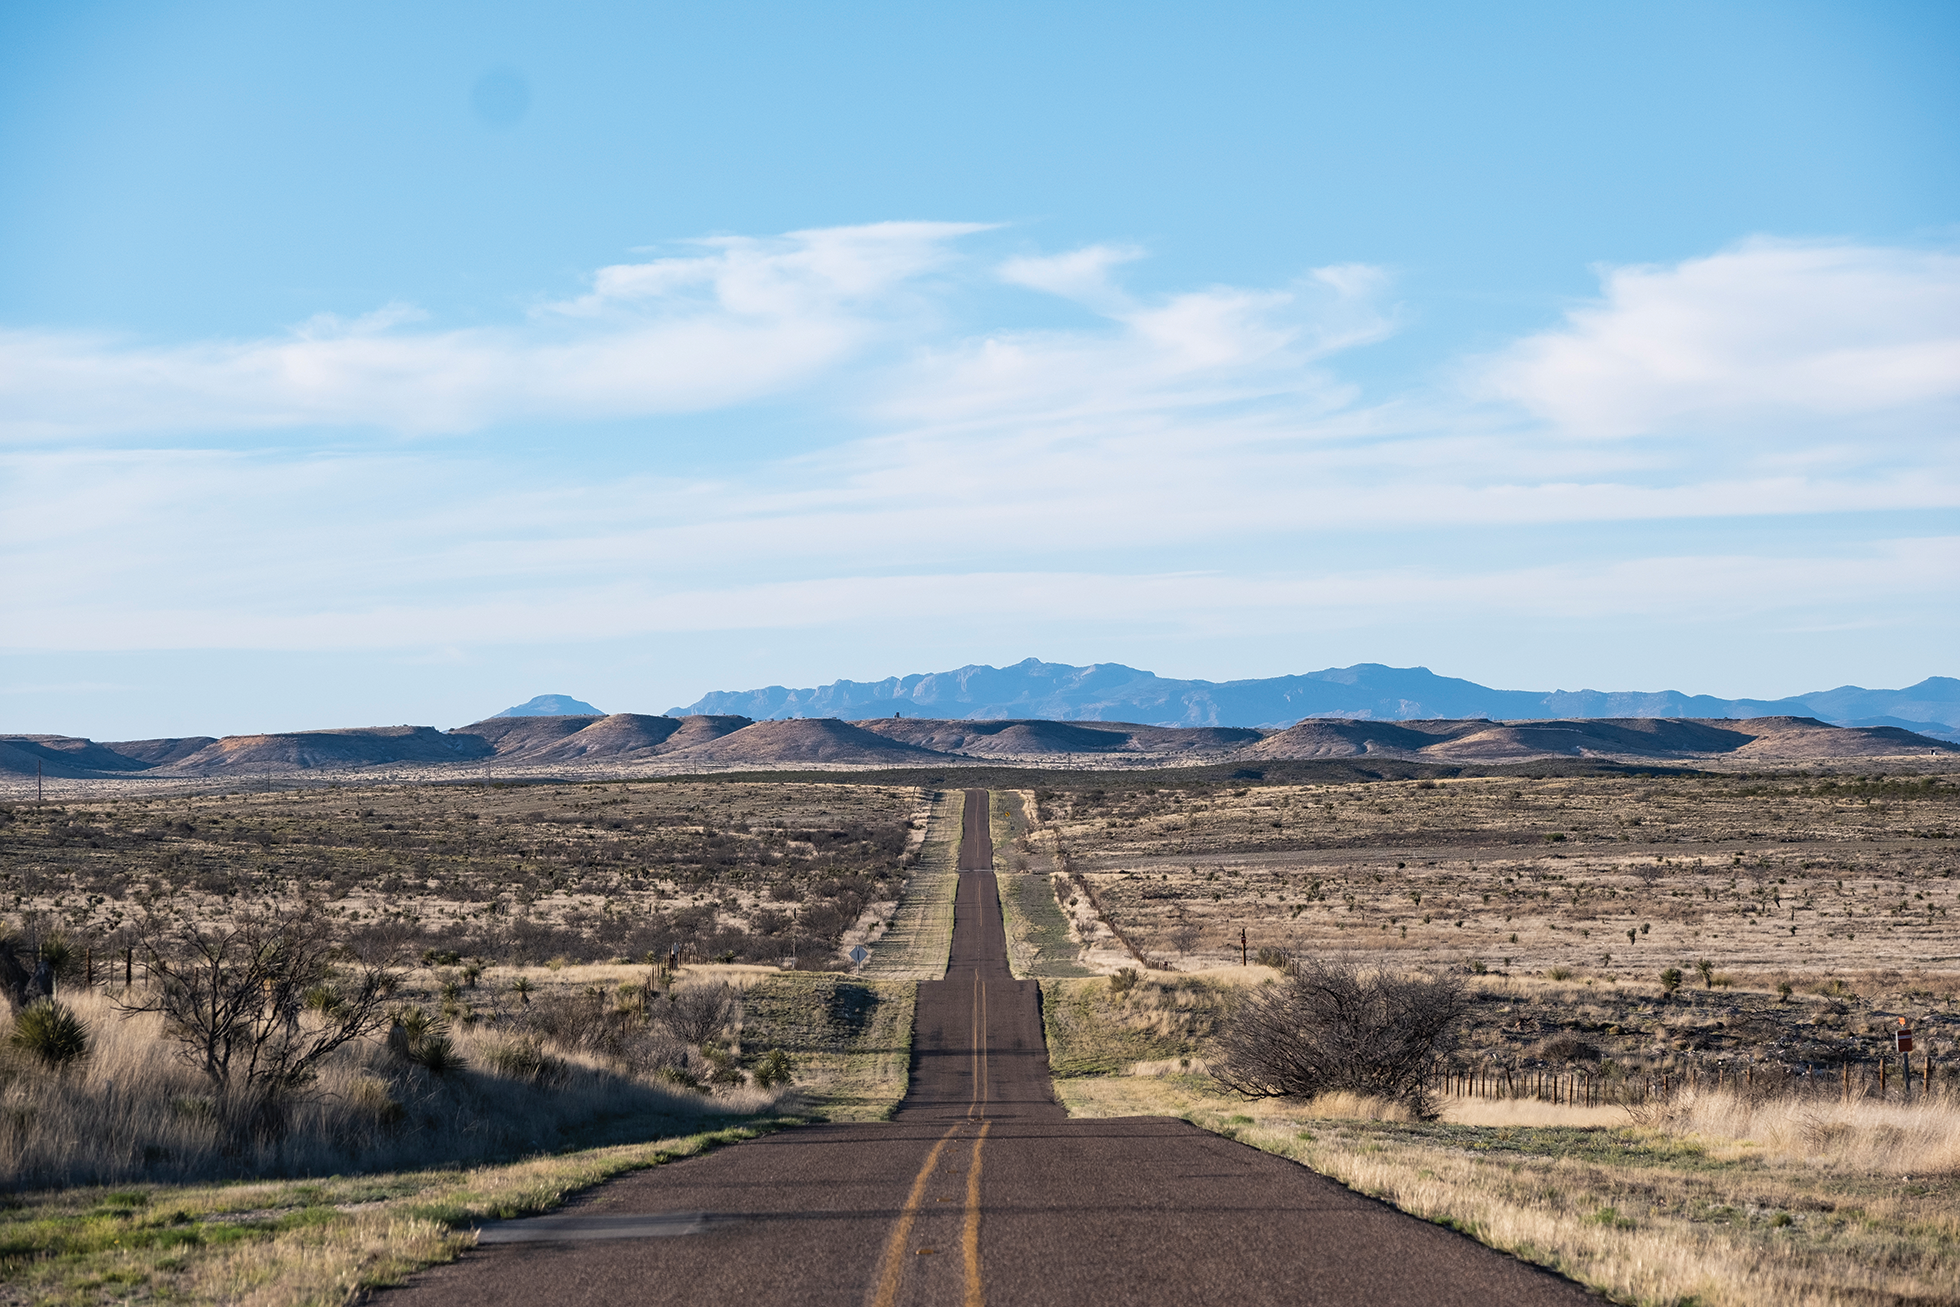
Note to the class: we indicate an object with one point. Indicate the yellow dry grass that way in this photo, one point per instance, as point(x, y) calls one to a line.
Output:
point(134, 1110)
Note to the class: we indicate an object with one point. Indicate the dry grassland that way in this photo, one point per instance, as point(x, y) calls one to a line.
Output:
point(504, 873)
point(911, 939)
point(1045, 934)
point(512, 913)
point(107, 1136)
point(1798, 880)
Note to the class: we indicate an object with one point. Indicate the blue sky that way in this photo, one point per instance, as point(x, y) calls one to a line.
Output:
point(366, 363)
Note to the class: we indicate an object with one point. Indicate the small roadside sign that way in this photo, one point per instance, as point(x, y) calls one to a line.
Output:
point(859, 953)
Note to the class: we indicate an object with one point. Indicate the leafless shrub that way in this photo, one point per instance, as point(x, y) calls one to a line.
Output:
point(1568, 1048)
point(258, 1005)
point(698, 1013)
point(584, 1023)
point(1330, 1026)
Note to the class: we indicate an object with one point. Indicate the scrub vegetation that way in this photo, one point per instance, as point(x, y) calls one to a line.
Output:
point(1696, 1113)
point(1719, 961)
point(1840, 888)
point(511, 874)
point(259, 989)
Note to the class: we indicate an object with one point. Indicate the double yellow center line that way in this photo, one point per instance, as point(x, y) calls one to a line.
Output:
point(892, 1273)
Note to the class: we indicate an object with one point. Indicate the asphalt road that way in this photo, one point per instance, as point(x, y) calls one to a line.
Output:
point(980, 1189)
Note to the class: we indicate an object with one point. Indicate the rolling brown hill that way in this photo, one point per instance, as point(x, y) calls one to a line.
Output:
point(1783, 739)
point(704, 728)
point(626, 736)
point(517, 735)
point(820, 739)
point(621, 735)
point(1786, 739)
point(16, 760)
point(314, 750)
point(1024, 737)
point(160, 753)
point(72, 752)
point(717, 741)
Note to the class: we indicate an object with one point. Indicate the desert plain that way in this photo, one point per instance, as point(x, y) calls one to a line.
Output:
point(1733, 935)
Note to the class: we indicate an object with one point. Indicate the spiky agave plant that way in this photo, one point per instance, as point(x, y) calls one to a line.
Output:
point(51, 1032)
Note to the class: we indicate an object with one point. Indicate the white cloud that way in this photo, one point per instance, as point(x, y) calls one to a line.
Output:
point(1081, 274)
point(1005, 468)
point(749, 318)
point(802, 274)
point(1155, 360)
point(1767, 334)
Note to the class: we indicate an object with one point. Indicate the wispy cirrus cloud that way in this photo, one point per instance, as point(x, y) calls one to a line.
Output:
point(743, 319)
point(1171, 431)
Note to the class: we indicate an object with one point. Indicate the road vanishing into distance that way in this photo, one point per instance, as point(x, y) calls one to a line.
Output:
point(982, 1190)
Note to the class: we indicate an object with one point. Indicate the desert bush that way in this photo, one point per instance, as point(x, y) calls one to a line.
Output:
point(722, 1066)
point(1123, 980)
point(525, 1059)
point(1278, 958)
point(51, 1033)
point(698, 1013)
point(584, 1023)
point(1569, 1048)
point(370, 1096)
point(1332, 1026)
point(681, 1076)
point(257, 1005)
point(135, 1111)
point(30, 961)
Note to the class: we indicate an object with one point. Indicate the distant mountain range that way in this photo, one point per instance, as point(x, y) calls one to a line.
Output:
point(1056, 715)
point(1363, 692)
point(708, 743)
point(620, 742)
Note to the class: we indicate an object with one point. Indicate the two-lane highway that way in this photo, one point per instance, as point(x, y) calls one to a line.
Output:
point(979, 1190)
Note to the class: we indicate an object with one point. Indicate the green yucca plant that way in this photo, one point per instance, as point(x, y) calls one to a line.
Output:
point(419, 1038)
point(773, 1070)
point(51, 1032)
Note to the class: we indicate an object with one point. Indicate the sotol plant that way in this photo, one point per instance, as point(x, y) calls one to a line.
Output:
point(51, 1032)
